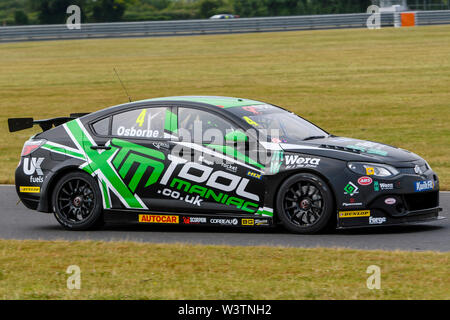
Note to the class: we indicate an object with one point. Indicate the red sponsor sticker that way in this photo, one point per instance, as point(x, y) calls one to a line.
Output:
point(365, 181)
point(150, 218)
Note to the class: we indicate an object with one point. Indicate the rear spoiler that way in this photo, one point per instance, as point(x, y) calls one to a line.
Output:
point(17, 124)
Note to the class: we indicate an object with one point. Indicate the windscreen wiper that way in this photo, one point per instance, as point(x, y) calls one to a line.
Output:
point(314, 137)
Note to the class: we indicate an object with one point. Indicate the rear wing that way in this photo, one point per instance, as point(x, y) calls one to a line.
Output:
point(17, 124)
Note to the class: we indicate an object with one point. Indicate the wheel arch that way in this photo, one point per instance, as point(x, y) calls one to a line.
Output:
point(287, 174)
point(45, 205)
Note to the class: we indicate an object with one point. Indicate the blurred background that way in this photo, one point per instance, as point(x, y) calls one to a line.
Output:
point(23, 12)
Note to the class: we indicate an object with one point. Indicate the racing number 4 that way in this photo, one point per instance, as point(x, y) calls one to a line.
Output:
point(141, 118)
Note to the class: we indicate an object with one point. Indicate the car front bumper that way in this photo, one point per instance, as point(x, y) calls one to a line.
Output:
point(380, 218)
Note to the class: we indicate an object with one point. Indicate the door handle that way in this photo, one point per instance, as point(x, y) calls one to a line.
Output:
point(101, 147)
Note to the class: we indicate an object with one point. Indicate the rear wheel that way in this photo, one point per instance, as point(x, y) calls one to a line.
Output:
point(77, 202)
point(305, 204)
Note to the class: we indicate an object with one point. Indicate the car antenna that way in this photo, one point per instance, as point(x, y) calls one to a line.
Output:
point(125, 89)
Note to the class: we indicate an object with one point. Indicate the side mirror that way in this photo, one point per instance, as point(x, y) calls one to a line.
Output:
point(236, 136)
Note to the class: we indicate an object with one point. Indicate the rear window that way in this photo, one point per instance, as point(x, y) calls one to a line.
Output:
point(102, 127)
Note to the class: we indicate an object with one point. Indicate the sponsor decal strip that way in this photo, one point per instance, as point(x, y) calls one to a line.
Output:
point(30, 189)
point(149, 218)
point(354, 214)
point(420, 186)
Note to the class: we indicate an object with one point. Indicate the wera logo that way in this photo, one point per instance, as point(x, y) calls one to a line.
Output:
point(32, 165)
point(300, 161)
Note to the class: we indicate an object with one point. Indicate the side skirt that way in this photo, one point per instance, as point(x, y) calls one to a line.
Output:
point(186, 219)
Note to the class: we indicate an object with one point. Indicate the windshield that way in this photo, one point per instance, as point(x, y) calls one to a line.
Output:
point(279, 125)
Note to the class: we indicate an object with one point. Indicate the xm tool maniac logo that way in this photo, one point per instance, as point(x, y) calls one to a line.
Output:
point(120, 161)
point(125, 168)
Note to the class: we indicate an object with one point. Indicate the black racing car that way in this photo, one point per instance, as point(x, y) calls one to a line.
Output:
point(253, 164)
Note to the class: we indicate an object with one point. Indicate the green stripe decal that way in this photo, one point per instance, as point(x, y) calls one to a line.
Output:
point(264, 212)
point(63, 150)
point(105, 195)
point(232, 152)
point(171, 122)
point(98, 163)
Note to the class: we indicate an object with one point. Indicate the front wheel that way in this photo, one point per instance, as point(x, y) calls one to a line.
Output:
point(77, 202)
point(305, 204)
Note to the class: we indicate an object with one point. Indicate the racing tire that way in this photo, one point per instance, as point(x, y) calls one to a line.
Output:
point(77, 202)
point(305, 204)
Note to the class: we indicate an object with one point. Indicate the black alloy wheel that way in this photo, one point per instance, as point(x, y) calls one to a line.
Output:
point(304, 203)
point(77, 201)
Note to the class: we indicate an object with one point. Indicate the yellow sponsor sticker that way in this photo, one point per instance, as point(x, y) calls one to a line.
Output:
point(251, 122)
point(248, 222)
point(370, 171)
point(30, 189)
point(354, 214)
point(150, 218)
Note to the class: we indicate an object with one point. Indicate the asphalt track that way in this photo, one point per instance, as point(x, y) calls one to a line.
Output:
point(17, 222)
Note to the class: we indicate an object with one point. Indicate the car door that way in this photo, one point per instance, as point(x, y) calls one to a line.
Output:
point(130, 155)
point(207, 175)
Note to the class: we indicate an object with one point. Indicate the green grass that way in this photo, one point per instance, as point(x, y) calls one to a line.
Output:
point(389, 85)
point(127, 270)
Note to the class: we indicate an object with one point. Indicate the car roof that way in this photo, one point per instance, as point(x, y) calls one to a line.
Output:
point(221, 102)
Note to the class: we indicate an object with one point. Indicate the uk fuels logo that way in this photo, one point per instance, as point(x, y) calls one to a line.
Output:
point(32, 165)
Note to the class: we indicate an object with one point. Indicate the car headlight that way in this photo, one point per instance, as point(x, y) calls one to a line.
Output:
point(372, 169)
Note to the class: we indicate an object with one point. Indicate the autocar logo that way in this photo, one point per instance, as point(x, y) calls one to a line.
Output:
point(417, 170)
point(148, 218)
point(365, 181)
